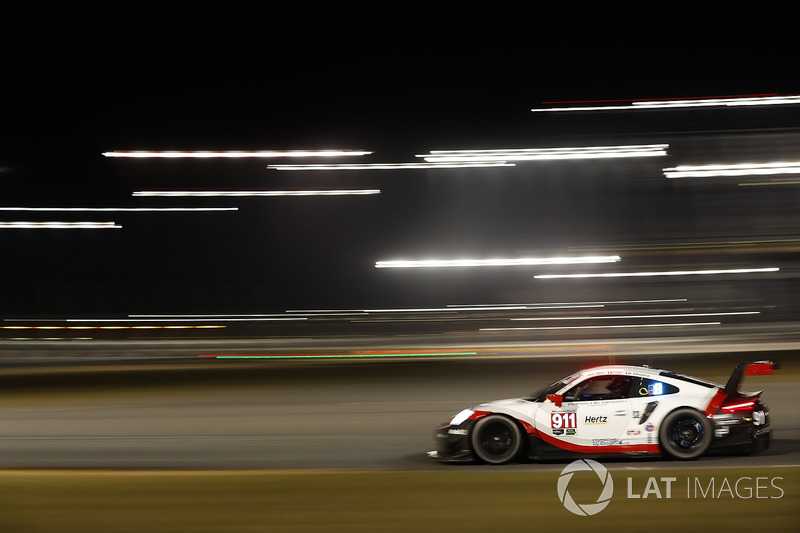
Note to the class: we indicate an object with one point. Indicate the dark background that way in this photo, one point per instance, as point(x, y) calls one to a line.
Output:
point(400, 81)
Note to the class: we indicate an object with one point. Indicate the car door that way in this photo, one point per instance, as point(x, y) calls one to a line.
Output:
point(593, 413)
point(646, 394)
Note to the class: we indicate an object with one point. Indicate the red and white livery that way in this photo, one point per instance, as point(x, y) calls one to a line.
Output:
point(613, 409)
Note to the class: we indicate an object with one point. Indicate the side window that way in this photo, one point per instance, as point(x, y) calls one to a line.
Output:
point(645, 387)
point(599, 388)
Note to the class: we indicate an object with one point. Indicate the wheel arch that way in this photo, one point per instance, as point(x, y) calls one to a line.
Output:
point(524, 435)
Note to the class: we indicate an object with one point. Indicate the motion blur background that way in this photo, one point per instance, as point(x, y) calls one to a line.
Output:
point(397, 85)
point(150, 260)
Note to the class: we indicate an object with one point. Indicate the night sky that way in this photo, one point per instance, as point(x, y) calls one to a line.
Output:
point(397, 84)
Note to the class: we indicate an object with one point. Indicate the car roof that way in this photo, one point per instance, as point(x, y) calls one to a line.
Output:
point(621, 369)
point(642, 371)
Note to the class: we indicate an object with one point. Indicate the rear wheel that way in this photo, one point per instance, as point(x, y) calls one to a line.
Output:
point(685, 434)
point(496, 439)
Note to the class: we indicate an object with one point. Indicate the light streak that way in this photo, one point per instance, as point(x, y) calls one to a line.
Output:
point(621, 317)
point(46, 339)
point(734, 101)
point(442, 309)
point(394, 166)
point(607, 327)
point(309, 192)
point(522, 261)
point(664, 273)
point(737, 169)
point(526, 307)
point(58, 225)
point(532, 154)
point(117, 209)
point(448, 309)
point(159, 319)
point(232, 154)
point(559, 305)
point(254, 316)
point(795, 181)
point(339, 355)
point(658, 99)
point(477, 307)
point(115, 327)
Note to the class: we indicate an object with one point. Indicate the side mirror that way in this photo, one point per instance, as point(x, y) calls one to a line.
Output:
point(556, 399)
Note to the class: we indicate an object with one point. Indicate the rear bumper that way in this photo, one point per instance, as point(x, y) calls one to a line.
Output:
point(743, 438)
point(748, 432)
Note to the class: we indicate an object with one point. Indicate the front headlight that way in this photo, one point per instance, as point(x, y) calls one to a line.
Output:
point(461, 417)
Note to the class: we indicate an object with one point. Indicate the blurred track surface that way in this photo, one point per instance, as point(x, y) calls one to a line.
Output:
point(302, 414)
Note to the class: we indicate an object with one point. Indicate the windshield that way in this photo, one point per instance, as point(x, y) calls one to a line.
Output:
point(539, 396)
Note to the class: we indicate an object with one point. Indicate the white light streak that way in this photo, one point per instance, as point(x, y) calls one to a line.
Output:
point(298, 192)
point(529, 307)
point(738, 169)
point(114, 327)
point(394, 166)
point(668, 104)
point(255, 316)
point(522, 261)
point(233, 154)
point(179, 319)
point(441, 309)
point(559, 305)
point(609, 327)
point(729, 102)
point(625, 317)
point(663, 273)
point(531, 154)
point(117, 209)
point(448, 309)
point(58, 225)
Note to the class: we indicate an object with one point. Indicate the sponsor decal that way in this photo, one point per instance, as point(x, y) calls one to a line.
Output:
point(633, 432)
point(605, 442)
point(649, 427)
point(595, 419)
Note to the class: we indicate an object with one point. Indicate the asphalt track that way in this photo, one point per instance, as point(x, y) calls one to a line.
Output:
point(351, 414)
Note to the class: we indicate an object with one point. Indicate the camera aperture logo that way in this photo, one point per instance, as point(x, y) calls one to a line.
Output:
point(742, 488)
point(585, 509)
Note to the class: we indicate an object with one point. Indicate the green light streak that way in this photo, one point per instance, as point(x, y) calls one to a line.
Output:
point(341, 356)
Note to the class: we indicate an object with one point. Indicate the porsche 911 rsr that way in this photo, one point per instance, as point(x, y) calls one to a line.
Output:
point(610, 410)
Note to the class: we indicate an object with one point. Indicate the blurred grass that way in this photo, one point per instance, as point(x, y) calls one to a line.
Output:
point(351, 501)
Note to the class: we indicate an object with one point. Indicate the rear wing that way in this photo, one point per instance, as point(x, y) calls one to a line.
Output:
point(752, 368)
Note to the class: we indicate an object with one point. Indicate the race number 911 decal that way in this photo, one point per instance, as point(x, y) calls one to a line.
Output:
point(565, 422)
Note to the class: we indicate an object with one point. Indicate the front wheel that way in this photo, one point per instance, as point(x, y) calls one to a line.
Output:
point(685, 434)
point(496, 439)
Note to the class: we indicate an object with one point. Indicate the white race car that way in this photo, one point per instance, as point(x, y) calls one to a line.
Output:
point(613, 409)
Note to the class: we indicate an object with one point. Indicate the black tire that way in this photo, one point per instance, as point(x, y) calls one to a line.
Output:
point(685, 434)
point(496, 439)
